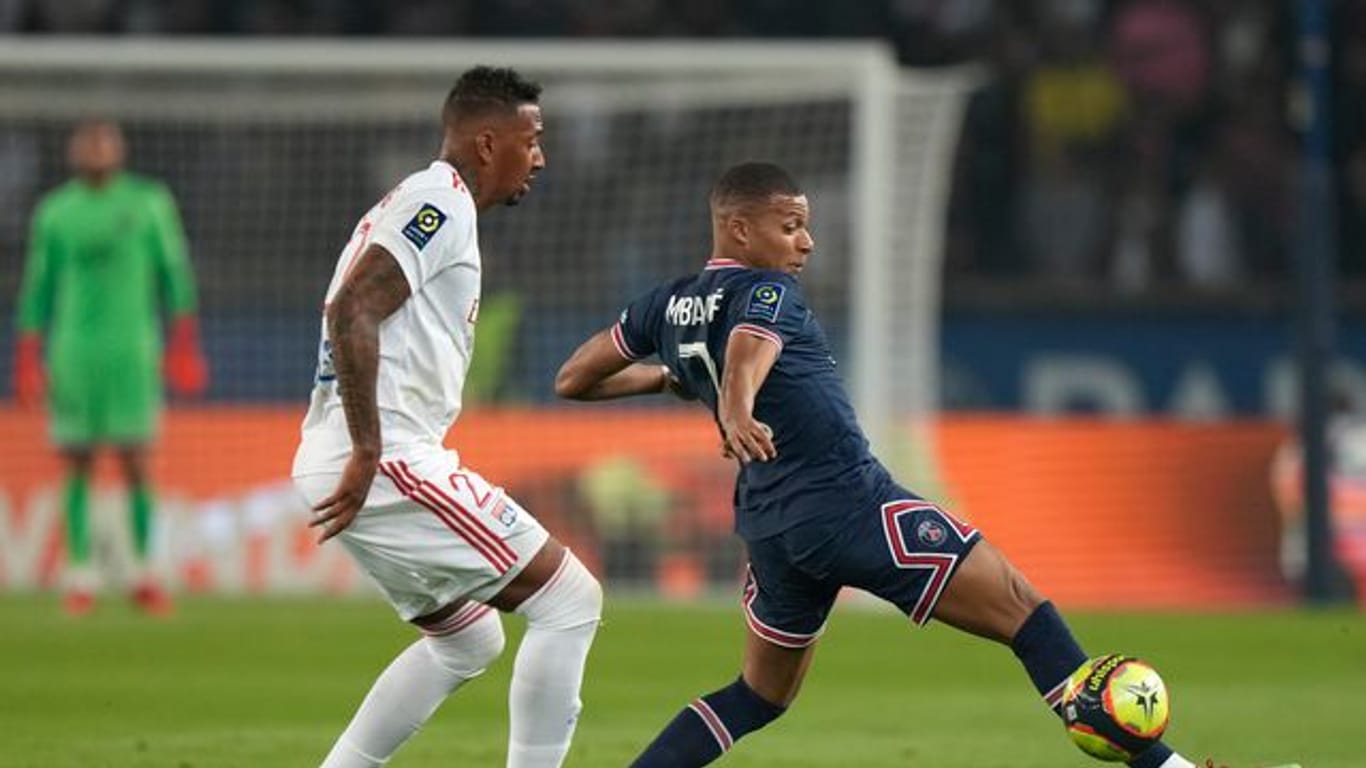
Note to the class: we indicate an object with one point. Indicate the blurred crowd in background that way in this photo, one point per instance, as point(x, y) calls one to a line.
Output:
point(1133, 145)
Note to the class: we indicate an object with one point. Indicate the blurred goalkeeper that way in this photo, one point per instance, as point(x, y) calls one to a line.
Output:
point(106, 255)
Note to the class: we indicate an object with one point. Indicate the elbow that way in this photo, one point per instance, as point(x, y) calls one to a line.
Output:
point(569, 384)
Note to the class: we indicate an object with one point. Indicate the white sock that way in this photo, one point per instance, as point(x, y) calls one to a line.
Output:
point(1177, 761)
point(544, 699)
point(414, 684)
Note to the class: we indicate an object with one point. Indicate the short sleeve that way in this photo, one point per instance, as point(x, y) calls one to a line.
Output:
point(425, 230)
point(634, 332)
point(771, 308)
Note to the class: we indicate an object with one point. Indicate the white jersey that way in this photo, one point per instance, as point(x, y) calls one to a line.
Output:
point(428, 223)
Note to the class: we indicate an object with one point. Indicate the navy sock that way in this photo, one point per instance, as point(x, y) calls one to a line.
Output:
point(1048, 651)
point(708, 727)
point(1050, 654)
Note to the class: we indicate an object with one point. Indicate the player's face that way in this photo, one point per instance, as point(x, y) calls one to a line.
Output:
point(778, 237)
point(96, 149)
point(517, 156)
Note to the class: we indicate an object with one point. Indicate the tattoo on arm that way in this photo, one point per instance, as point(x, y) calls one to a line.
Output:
point(375, 289)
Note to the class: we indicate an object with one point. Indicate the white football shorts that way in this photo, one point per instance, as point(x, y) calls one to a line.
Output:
point(432, 532)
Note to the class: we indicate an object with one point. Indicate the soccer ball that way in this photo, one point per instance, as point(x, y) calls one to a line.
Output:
point(1115, 707)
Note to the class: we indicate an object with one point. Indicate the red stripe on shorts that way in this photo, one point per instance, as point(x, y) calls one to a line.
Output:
point(469, 520)
point(416, 490)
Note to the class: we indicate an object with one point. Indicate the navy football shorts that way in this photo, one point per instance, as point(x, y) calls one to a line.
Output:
point(904, 550)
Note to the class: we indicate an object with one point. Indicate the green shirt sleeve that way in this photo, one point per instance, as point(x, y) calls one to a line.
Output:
point(177, 279)
point(36, 290)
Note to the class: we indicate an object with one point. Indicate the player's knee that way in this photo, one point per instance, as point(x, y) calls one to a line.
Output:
point(133, 464)
point(469, 651)
point(79, 460)
point(571, 598)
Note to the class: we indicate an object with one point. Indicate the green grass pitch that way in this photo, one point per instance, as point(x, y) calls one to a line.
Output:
point(271, 682)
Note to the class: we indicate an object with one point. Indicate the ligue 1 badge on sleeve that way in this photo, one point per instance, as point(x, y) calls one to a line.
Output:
point(765, 301)
point(424, 224)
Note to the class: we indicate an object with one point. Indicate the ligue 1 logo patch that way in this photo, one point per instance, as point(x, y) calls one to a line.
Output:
point(765, 301)
point(931, 533)
point(423, 225)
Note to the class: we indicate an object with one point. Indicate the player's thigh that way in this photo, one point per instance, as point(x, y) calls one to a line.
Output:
point(72, 419)
point(433, 533)
point(905, 550)
point(132, 458)
point(786, 608)
point(988, 596)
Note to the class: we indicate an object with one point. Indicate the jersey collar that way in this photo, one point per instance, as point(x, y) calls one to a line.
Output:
point(456, 181)
point(723, 264)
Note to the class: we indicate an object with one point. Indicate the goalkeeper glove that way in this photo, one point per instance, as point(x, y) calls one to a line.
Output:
point(186, 369)
point(29, 383)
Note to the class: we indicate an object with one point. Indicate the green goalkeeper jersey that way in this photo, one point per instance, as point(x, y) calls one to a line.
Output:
point(102, 263)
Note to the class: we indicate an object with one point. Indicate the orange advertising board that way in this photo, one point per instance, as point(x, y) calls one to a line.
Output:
point(1097, 513)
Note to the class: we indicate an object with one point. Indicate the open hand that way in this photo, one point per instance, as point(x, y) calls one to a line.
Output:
point(337, 511)
point(748, 440)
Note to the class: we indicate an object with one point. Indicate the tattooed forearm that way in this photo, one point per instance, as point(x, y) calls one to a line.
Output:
point(375, 289)
point(355, 353)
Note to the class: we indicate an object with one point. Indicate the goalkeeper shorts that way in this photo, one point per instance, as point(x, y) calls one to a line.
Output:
point(118, 406)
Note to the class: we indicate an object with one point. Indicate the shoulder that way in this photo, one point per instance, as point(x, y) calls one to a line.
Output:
point(438, 184)
point(55, 203)
point(656, 297)
point(764, 289)
point(62, 194)
point(744, 279)
point(146, 186)
point(775, 277)
point(147, 191)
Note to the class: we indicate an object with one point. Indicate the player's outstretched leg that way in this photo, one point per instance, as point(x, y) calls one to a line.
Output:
point(988, 597)
point(709, 726)
point(457, 646)
point(562, 617)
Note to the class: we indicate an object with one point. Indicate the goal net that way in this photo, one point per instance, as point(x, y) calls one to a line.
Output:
point(274, 149)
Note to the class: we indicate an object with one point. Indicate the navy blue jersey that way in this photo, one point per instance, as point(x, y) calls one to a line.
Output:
point(824, 468)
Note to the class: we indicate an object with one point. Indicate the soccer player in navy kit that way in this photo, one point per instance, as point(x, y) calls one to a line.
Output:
point(815, 508)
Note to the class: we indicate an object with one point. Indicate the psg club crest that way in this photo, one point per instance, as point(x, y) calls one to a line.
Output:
point(931, 533)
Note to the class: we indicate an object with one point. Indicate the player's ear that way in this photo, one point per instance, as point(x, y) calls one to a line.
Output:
point(484, 146)
point(738, 228)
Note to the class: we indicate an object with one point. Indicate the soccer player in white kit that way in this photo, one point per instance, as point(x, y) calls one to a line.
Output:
point(444, 545)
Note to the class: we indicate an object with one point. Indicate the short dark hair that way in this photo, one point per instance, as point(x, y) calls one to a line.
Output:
point(752, 182)
point(483, 89)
